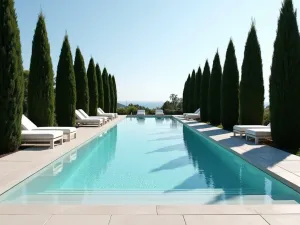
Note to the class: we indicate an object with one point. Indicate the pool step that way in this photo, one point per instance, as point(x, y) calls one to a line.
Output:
point(159, 199)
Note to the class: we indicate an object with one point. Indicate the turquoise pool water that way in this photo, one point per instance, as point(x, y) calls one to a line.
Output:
point(147, 161)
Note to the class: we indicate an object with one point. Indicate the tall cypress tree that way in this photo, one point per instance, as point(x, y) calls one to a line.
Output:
point(116, 94)
point(184, 99)
point(112, 93)
point(100, 87)
point(230, 90)
point(192, 91)
point(65, 98)
point(11, 79)
point(188, 91)
point(198, 88)
point(252, 82)
point(93, 88)
point(204, 93)
point(285, 81)
point(214, 92)
point(82, 88)
point(25, 102)
point(106, 91)
point(40, 84)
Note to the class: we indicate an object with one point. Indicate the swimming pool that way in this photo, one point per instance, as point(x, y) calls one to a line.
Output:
point(150, 161)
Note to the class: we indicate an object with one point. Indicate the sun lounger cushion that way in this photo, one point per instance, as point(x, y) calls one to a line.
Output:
point(40, 134)
point(65, 130)
point(259, 132)
point(243, 128)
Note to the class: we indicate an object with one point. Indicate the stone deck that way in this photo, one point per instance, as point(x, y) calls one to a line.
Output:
point(16, 167)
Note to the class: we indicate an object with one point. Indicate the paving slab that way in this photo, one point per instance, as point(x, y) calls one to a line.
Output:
point(24, 219)
point(78, 220)
point(205, 209)
point(282, 219)
point(147, 220)
point(224, 219)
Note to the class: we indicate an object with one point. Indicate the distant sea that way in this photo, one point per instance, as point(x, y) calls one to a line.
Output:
point(150, 105)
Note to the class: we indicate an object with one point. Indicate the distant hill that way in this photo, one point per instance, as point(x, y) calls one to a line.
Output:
point(121, 105)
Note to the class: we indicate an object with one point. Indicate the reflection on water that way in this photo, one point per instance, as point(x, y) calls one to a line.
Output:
point(59, 175)
point(236, 178)
point(173, 124)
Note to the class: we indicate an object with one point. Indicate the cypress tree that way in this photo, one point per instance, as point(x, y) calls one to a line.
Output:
point(116, 94)
point(252, 83)
point(40, 84)
point(230, 90)
point(214, 92)
point(285, 81)
point(11, 79)
point(204, 92)
point(106, 91)
point(112, 94)
point(100, 87)
point(192, 92)
point(188, 88)
point(82, 88)
point(93, 88)
point(65, 98)
point(184, 99)
point(198, 88)
point(25, 102)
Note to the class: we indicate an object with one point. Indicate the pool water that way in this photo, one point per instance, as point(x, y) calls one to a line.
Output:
point(151, 161)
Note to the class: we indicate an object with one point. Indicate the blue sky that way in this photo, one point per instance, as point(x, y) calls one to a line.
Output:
point(151, 45)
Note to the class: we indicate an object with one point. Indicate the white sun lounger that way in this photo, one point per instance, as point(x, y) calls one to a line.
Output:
point(89, 122)
point(196, 112)
point(159, 112)
point(109, 115)
point(241, 129)
point(69, 132)
point(38, 137)
point(105, 118)
point(100, 110)
point(141, 113)
point(258, 134)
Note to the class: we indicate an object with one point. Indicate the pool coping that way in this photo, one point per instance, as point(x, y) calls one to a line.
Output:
point(281, 172)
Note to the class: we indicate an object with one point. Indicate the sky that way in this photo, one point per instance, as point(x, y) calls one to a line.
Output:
point(151, 45)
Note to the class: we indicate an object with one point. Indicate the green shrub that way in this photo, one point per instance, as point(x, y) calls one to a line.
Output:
point(116, 93)
point(122, 111)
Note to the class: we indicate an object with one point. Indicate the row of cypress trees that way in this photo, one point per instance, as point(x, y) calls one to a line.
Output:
point(75, 88)
point(47, 102)
point(224, 100)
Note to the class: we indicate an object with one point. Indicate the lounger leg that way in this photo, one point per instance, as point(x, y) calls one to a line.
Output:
point(246, 138)
point(256, 141)
point(234, 134)
point(69, 137)
point(75, 135)
point(52, 144)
